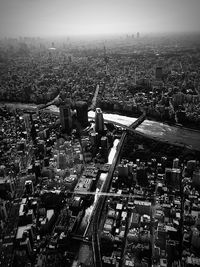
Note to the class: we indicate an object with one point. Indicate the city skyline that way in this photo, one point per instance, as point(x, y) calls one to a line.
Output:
point(87, 17)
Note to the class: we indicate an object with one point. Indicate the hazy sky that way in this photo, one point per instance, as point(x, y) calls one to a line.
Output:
point(66, 17)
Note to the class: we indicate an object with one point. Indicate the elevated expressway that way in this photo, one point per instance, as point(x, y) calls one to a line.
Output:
point(94, 227)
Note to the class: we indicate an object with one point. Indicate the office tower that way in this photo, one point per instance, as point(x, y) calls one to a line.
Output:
point(61, 161)
point(99, 121)
point(195, 238)
point(94, 142)
point(168, 176)
point(94, 138)
point(138, 35)
point(66, 118)
point(159, 73)
point(37, 169)
point(104, 147)
point(172, 178)
point(82, 113)
point(104, 142)
point(171, 251)
point(123, 170)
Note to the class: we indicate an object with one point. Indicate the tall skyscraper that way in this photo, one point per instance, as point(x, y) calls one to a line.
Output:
point(66, 118)
point(99, 121)
point(138, 35)
point(82, 113)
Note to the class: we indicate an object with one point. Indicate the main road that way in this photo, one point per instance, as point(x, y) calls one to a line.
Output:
point(100, 204)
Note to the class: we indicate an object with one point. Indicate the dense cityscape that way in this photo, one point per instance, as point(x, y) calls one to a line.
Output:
point(160, 74)
point(79, 187)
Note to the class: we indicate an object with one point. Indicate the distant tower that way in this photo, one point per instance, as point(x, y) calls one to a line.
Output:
point(66, 118)
point(99, 121)
point(138, 35)
point(159, 73)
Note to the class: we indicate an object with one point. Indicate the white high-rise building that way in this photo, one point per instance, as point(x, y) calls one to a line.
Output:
point(99, 121)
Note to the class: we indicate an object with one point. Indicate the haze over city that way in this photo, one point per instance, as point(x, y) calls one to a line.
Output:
point(89, 17)
point(99, 133)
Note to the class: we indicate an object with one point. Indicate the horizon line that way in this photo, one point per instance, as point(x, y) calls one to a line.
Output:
point(90, 35)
